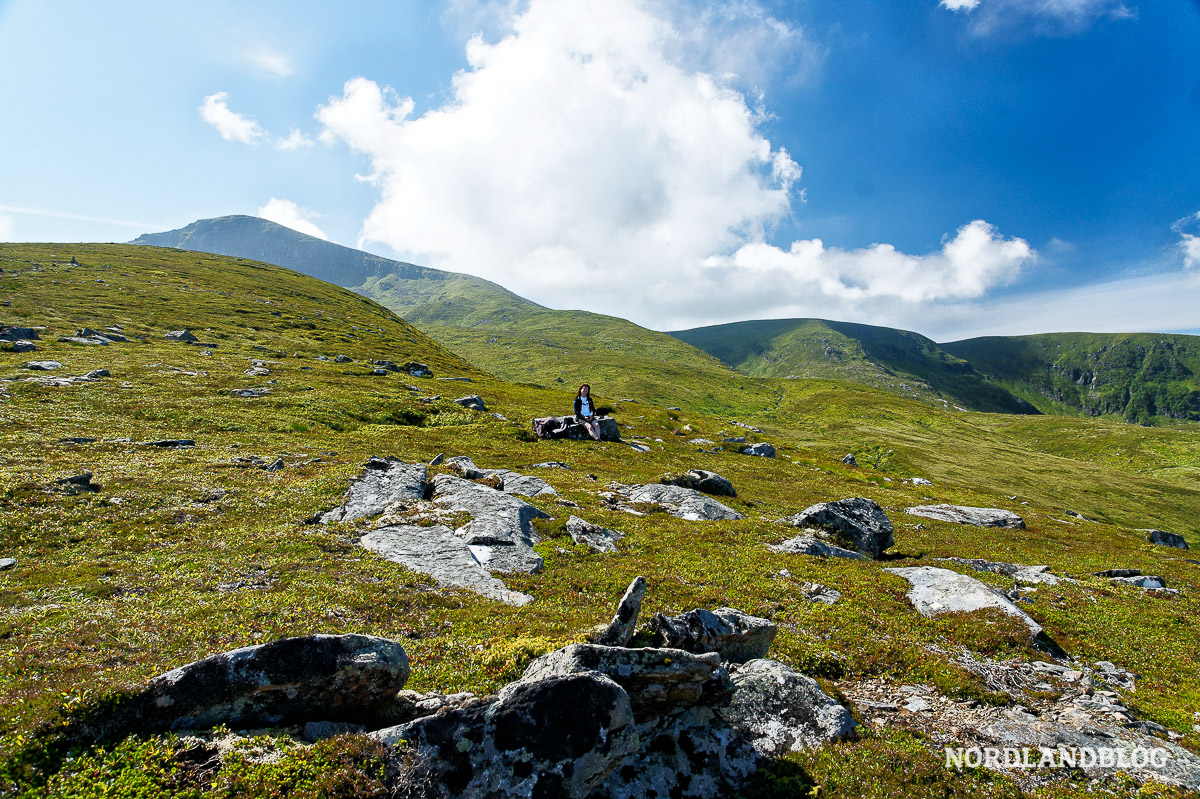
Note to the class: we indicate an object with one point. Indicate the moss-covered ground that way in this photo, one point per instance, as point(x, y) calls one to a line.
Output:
point(186, 552)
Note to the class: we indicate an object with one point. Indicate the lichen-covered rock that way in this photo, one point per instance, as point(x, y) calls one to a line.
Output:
point(701, 480)
point(657, 680)
point(293, 680)
point(938, 591)
point(620, 630)
point(1165, 539)
point(498, 520)
point(761, 450)
point(383, 481)
point(508, 481)
point(473, 402)
point(781, 710)
point(593, 536)
point(438, 552)
point(734, 635)
point(684, 503)
point(857, 523)
point(556, 737)
point(965, 514)
point(809, 544)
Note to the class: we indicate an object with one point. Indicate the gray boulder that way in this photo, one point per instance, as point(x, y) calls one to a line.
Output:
point(1141, 581)
point(701, 480)
point(438, 552)
point(809, 544)
point(556, 737)
point(290, 681)
point(657, 680)
point(43, 366)
point(181, 336)
point(343, 359)
point(781, 711)
point(761, 450)
point(383, 482)
point(938, 591)
point(24, 345)
point(619, 631)
point(684, 503)
point(849, 460)
point(10, 333)
point(473, 402)
point(593, 536)
point(567, 427)
point(1165, 539)
point(857, 524)
point(964, 514)
point(734, 635)
point(7, 563)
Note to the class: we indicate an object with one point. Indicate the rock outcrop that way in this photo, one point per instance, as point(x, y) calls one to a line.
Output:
point(858, 524)
point(809, 544)
point(500, 532)
point(593, 536)
point(620, 630)
point(684, 503)
point(383, 482)
point(964, 514)
point(701, 480)
point(736, 636)
point(1165, 539)
point(937, 591)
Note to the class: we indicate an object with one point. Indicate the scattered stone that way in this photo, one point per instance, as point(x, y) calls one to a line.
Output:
point(962, 514)
point(761, 450)
point(815, 592)
point(181, 336)
point(937, 591)
point(1119, 573)
point(782, 711)
point(43, 366)
point(23, 345)
point(568, 427)
point(1035, 575)
point(551, 465)
point(10, 333)
point(76, 484)
point(417, 369)
point(250, 393)
point(918, 481)
point(593, 536)
point(849, 459)
point(351, 678)
point(856, 523)
point(77, 440)
point(683, 503)
point(1165, 539)
point(169, 443)
point(438, 459)
point(810, 545)
point(7, 563)
point(701, 480)
point(275, 465)
point(736, 636)
point(473, 402)
point(734, 440)
point(383, 481)
point(749, 427)
point(636, 447)
point(1141, 581)
point(620, 630)
point(441, 554)
point(343, 359)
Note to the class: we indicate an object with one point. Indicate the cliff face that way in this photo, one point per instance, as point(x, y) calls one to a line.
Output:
point(1137, 376)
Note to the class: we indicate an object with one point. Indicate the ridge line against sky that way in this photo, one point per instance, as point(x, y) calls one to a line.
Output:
point(960, 168)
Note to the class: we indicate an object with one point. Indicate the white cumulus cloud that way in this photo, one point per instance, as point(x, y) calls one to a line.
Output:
point(288, 214)
point(294, 141)
point(231, 125)
point(1189, 243)
point(1043, 17)
point(589, 158)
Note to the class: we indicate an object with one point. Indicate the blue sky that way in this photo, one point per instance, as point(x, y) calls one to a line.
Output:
point(959, 168)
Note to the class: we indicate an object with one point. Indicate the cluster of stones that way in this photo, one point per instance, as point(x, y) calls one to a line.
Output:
point(691, 716)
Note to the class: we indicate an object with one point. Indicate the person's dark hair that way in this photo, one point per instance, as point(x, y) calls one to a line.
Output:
point(579, 393)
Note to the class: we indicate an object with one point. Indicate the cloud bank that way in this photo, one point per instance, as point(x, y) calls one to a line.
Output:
point(288, 214)
point(585, 159)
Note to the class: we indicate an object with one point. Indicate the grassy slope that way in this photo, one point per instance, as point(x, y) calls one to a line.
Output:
point(1134, 376)
point(897, 361)
point(151, 572)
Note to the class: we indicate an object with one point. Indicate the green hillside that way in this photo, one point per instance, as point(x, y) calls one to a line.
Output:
point(1133, 376)
point(180, 553)
point(897, 361)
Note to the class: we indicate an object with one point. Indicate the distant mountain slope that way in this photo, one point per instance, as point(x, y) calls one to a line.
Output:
point(495, 329)
point(899, 361)
point(419, 294)
point(1136, 376)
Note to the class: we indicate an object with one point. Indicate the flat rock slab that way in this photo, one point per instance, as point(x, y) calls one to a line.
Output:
point(809, 544)
point(383, 482)
point(436, 551)
point(1022, 574)
point(734, 635)
point(498, 517)
point(937, 591)
point(593, 536)
point(1165, 539)
point(510, 482)
point(683, 503)
point(701, 480)
point(856, 523)
point(964, 514)
point(781, 710)
point(351, 678)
